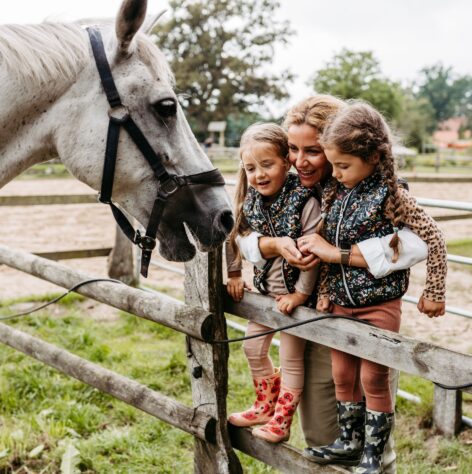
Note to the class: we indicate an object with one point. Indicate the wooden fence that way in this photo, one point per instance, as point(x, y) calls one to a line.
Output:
point(202, 319)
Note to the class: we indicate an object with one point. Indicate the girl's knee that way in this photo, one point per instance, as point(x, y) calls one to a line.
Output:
point(375, 382)
point(254, 348)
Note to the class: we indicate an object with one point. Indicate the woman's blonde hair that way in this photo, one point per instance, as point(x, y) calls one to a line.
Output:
point(271, 134)
point(360, 130)
point(315, 111)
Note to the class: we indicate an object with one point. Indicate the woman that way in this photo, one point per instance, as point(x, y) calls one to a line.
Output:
point(304, 124)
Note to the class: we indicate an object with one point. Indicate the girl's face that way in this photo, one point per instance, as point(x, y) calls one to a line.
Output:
point(349, 170)
point(306, 154)
point(266, 171)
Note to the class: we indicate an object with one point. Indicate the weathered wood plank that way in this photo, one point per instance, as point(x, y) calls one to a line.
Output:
point(282, 456)
point(208, 365)
point(193, 421)
point(43, 200)
point(394, 350)
point(72, 254)
point(447, 410)
point(156, 307)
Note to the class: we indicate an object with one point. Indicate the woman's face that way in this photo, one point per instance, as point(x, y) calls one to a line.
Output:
point(306, 154)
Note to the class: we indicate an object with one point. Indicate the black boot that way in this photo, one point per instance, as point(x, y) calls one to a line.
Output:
point(378, 426)
point(346, 449)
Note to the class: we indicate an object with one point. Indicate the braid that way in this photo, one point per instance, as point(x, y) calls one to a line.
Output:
point(329, 195)
point(394, 206)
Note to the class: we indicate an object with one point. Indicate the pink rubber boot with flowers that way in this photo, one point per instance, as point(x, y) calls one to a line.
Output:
point(277, 429)
point(267, 392)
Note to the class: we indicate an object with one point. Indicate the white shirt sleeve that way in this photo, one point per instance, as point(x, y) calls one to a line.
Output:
point(378, 254)
point(249, 248)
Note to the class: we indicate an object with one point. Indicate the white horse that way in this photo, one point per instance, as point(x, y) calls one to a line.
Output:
point(52, 104)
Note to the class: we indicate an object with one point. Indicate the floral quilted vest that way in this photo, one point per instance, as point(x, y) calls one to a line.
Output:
point(358, 214)
point(279, 219)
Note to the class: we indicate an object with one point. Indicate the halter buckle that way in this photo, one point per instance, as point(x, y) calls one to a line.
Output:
point(170, 186)
point(119, 114)
point(144, 242)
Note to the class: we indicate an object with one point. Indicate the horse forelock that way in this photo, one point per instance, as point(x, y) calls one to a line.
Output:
point(51, 52)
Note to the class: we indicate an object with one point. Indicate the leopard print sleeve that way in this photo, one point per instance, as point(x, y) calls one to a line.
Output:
point(426, 228)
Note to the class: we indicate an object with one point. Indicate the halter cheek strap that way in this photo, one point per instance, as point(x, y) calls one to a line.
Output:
point(168, 184)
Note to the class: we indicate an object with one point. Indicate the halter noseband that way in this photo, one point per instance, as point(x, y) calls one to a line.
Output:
point(168, 184)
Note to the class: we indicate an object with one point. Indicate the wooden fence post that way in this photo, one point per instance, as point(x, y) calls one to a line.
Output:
point(208, 364)
point(447, 410)
point(122, 260)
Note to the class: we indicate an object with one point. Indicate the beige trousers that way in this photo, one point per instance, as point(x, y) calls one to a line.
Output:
point(318, 414)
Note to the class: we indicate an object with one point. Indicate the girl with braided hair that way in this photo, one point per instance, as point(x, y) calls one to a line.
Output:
point(363, 200)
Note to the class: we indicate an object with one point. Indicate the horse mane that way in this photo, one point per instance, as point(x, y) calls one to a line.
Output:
point(50, 52)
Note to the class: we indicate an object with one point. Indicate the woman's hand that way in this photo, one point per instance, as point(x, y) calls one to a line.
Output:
point(287, 249)
point(314, 244)
point(324, 305)
point(235, 287)
point(431, 308)
point(287, 303)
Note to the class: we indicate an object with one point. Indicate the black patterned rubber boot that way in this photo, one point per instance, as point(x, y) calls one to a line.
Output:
point(347, 449)
point(378, 426)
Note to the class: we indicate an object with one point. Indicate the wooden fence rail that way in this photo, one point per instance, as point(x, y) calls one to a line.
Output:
point(385, 347)
point(191, 320)
point(195, 422)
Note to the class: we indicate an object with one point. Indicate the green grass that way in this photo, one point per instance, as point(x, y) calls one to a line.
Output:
point(226, 165)
point(43, 413)
point(461, 247)
point(46, 171)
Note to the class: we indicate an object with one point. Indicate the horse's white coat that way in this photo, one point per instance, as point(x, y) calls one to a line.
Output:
point(52, 104)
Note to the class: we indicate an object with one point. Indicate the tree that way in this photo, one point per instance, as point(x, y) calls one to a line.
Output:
point(415, 121)
point(219, 51)
point(449, 95)
point(357, 75)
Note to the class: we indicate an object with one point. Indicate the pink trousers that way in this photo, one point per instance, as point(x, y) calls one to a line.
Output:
point(351, 372)
point(292, 350)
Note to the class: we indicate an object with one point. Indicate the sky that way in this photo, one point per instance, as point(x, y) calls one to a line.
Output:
point(405, 35)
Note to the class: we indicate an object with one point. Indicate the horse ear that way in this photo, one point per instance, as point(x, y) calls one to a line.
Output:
point(130, 18)
point(151, 22)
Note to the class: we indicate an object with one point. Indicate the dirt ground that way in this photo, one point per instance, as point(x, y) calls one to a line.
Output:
point(48, 228)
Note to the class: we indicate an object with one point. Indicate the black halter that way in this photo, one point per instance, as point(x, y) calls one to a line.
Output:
point(168, 183)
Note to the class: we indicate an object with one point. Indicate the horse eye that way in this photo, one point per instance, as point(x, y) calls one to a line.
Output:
point(166, 108)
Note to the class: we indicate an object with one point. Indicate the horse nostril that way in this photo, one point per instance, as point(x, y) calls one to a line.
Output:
point(224, 221)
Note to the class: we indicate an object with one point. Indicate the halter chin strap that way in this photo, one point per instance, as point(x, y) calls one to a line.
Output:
point(168, 184)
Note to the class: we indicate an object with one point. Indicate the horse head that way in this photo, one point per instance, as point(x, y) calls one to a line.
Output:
point(145, 85)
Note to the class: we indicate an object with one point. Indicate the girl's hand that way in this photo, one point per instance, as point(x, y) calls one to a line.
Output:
point(287, 249)
point(314, 244)
point(235, 287)
point(431, 308)
point(287, 303)
point(324, 305)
